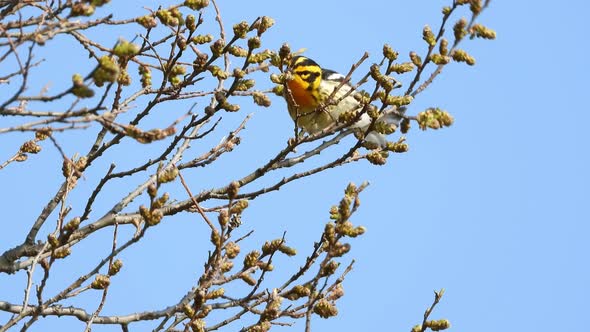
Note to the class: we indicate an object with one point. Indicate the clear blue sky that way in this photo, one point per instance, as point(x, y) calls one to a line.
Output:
point(493, 209)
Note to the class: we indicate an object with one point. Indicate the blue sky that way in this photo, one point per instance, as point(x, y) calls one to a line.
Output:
point(493, 209)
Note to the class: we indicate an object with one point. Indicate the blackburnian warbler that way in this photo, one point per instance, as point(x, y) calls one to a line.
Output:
point(309, 89)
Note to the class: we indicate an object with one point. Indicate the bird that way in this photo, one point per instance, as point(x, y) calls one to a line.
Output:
point(309, 88)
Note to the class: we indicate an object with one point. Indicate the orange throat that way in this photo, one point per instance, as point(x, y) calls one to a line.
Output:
point(301, 96)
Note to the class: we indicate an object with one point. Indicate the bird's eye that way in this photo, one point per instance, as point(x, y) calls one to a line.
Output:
point(304, 74)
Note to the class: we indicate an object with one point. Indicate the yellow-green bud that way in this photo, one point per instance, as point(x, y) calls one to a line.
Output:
point(147, 21)
point(416, 60)
point(101, 282)
point(459, 29)
point(329, 268)
point(241, 29)
point(261, 99)
point(401, 68)
point(190, 22)
point(278, 90)
point(251, 259)
point(116, 267)
point(232, 250)
point(481, 31)
point(219, 292)
point(81, 9)
point(443, 46)
point(428, 36)
point(377, 158)
point(237, 51)
point(284, 51)
point(462, 56)
point(239, 207)
point(168, 175)
point(202, 39)
point(297, 292)
point(196, 4)
point(264, 24)
point(72, 225)
point(217, 47)
point(439, 59)
point(325, 309)
point(125, 49)
point(254, 42)
point(30, 147)
point(389, 53)
point(438, 325)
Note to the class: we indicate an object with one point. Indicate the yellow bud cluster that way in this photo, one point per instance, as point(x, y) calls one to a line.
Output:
point(254, 42)
point(261, 99)
point(168, 17)
point(232, 250)
point(42, 134)
point(443, 47)
point(397, 100)
point(197, 325)
point(462, 56)
point(397, 147)
point(251, 259)
point(248, 279)
point(297, 292)
point(264, 24)
point(101, 282)
point(190, 22)
point(115, 267)
point(80, 89)
point(168, 175)
point(60, 253)
point(239, 207)
point(459, 29)
point(72, 225)
point(438, 325)
point(202, 39)
point(428, 36)
point(263, 326)
point(329, 268)
point(439, 59)
point(416, 59)
point(151, 217)
point(196, 4)
point(125, 49)
point(339, 249)
point(389, 53)
point(146, 76)
point(475, 6)
point(273, 309)
point(124, 78)
point(147, 21)
point(219, 292)
point(434, 118)
point(241, 29)
point(81, 9)
point(30, 147)
point(377, 157)
point(107, 71)
point(401, 68)
point(336, 293)
point(284, 51)
point(481, 31)
point(278, 90)
point(237, 51)
point(217, 47)
point(218, 72)
point(325, 309)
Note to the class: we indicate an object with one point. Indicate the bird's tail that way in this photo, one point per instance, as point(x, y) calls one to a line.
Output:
point(390, 117)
